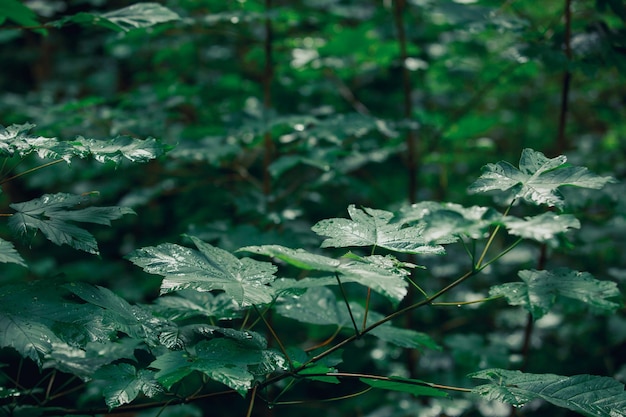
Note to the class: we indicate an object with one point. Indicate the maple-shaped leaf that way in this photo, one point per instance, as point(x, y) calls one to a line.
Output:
point(589, 395)
point(117, 313)
point(233, 363)
point(445, 222)
point(539, 290)
point(383, 274)
point(371, 227)
point(9, 254)
point(119, 148)
point(51, 214)
point(538, 178)
point(123, 382)
point(16, 140)
point(544, 228)
point(207, 269)
point(139, 15)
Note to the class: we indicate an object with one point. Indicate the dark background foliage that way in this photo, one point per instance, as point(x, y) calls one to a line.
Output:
point(372, 103)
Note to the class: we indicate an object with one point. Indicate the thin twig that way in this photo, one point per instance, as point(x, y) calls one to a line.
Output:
point(345, 299)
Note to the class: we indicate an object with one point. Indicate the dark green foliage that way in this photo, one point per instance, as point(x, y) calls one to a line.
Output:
point(240, 284)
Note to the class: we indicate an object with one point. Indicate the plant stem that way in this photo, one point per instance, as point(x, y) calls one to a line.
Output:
point(345, 299)
point(274, 335)
point(252, 397)
point(28, 171)
point(268, 75)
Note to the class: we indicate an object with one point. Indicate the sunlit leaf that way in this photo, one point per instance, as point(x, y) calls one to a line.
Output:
point(445, 222)
point(370, 227)
point(138, 15)
point(51, 213)
point(412, 386)
point(124, 382)
point(539, 290)
point(538, 178)
point(207, 269)
point(119, 148)
point(592, 396)
point(383, 274)
point(542, 228)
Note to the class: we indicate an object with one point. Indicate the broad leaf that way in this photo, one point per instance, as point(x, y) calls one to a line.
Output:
point(383, 274)
point(16, 140)
point(592, 396)
point(320, 306)
point(445, 222)
point(412, 386)
point(139, 15)
point(9, 254)
point(207, 269)
point(83, 362)
point(370, 227)
point(539, 290)
point(543, 228)
point(119, 148)
point(185, 304)
point(233, 363)
point(15, 11)
point(23, 322)
point(124, 382)
point(538, 178)
point(50, 214)
point(117, 312)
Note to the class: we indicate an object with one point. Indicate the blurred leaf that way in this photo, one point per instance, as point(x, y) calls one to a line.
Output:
point(208, 269)
point(9, 254)
point(135, 150)
point(15, 11)
point(370, 227)
point(540, 290)
point(124, 382)
point(592, 396)
point(538, 178)
point(412, 386)
point(543, 228)
point(50, 213)
point(16, 139)
point(139, 15)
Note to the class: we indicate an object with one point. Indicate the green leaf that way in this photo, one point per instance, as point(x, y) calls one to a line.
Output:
point(18, 13)
point(9, 254)
point(543, 228)
point(207, 269)
point(320, 306)
point(139, 15)
point(16, 140)
point(119, 148)
point(444, 222)
point(232, 363)
point(539, 290)
point(83, 362)
point(412, 386)
point(538, 178)
point(185, 304)
point(51, 212)
point(370, 227)
point(117, 312)
point(124, 382)
point(23, 327)
point(383, 274)
point(592, 396)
